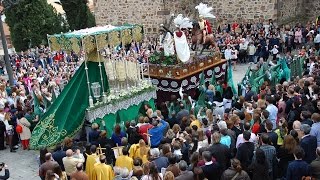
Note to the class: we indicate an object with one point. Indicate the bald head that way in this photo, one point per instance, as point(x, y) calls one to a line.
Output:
point(79, 166)
point(69, 152)
point(48, 156)
point(102, 158)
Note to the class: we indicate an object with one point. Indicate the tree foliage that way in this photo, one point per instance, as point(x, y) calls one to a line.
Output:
point(78, 14)
point(30, 21)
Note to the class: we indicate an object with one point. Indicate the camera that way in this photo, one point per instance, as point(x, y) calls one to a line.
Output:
point(2, 164)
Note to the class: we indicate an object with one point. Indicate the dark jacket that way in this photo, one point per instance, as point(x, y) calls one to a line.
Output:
point(6, 174)
point(161, 162)
point(222, 154)
point(185, 175)
point(309, 145)
point(212, 171)
point(231, 173)
point(297, 169)
point(245, 154)
point(284, 159)
point(57, 156)
point(315, 168)
point(259, 171)
point(273, 138)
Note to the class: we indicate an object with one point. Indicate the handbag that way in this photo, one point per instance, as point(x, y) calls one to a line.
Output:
point(235, 176)
point(19, 129)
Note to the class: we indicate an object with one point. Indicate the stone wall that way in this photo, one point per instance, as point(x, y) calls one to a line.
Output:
point(152, 13)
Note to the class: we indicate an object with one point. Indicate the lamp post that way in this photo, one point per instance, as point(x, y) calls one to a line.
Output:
point(6, 4)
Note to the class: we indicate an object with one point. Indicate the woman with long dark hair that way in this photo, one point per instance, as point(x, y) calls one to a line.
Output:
point(150, 172)
point(285, 154)
point(259, 167)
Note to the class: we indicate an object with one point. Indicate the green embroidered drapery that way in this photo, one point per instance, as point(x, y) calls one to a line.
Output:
point(66, 115)
point(124, 115)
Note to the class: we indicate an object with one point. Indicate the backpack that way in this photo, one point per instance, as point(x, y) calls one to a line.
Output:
point(19, 129)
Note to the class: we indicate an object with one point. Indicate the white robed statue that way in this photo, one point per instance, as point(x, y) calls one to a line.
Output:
point(168, 45)
point(180, 39)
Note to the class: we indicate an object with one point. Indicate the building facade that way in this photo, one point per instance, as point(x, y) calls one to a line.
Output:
point(152, 13)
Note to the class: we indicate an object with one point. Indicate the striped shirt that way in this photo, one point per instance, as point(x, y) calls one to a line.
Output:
point(270, 153)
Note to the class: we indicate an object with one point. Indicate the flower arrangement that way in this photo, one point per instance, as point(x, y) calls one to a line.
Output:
point(116, 97)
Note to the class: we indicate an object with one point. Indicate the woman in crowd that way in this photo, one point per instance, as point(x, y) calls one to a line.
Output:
point(117, 135)
point(26, 133)
point(150, 172)
point(235, 172)
point(259, 166)
point(285, 154)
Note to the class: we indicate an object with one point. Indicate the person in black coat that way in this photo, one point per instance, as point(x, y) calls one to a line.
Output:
point(6, 171)
point(272, 135)
point(220, 151)
point(245, 151)
point(308, 143)
point(285, 155)
point(2, 131)
point(58, 155)
point(298, 168)
point(211, 170)
point(260, 167)
point(108, 144)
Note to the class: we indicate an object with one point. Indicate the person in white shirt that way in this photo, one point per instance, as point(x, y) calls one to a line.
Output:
point(312, 66)
point(273, 111)
point(274, 52)
point(317, 41)
point(234, 57)
point(71, 160)
point(253, 137)
point(252, 50)
point(243, 47)
point(227, 53)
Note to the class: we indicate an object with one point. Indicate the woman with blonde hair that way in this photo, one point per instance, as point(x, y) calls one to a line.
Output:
point(202, 140)
point(176, 129)
point(9, 130)
point(140, 151)
point(168, 176)
point(209, 115)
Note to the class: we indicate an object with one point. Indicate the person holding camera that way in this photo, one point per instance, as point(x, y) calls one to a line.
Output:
point(6, 171)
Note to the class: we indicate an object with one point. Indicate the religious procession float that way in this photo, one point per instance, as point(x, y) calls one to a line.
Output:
point(113, 84)
point(182, 62)
point(108, 88)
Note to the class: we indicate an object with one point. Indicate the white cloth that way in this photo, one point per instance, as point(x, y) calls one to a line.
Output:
point(228, 54)
point(182, 47)
point(240, 139)
point(227, 103)
point(274, 51)
point(317, 38)
point(168, 45)
point(252, 50)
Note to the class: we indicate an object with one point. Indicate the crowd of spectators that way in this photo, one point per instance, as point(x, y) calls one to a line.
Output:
point(270, 134)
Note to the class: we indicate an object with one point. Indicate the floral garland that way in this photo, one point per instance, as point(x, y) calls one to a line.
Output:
point(122, 100)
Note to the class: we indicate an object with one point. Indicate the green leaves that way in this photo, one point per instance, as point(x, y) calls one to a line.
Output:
point(78, 14)
point(30, 21)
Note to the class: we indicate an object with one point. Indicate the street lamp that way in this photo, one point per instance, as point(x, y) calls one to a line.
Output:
point(6, 4)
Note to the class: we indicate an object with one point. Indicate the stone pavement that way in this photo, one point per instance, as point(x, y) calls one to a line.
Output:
point(23, 164)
